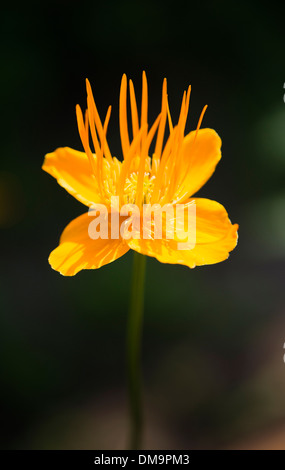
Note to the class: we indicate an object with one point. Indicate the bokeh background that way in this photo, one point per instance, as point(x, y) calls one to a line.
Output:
point(214, 375)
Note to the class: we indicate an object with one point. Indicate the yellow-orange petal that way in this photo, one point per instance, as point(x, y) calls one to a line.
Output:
point(78, 251)
point(215, 238)
point(73, 172)
point(200, 157)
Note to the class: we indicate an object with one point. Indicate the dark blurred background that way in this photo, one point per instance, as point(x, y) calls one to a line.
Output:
point(214, 375)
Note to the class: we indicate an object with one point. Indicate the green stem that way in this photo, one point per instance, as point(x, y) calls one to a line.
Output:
point(134, 334)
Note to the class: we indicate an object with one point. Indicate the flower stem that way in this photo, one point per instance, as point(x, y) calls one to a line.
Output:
point(134, 334)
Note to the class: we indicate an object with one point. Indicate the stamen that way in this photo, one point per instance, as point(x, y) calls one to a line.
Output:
point(97, 120)
point(106, 122)
point(84, 138)
point(180, 196)
point(163, 161)
point(127, 162)
point(134, 110)
point(178, 151)
point(95, 139)
point(200, 121)
point(161, 129)
point(173, 170)
point(144, 106)
point(187, 104)
point(144, 154)
point(169, 118)
point(123, 117)
point(86, 126)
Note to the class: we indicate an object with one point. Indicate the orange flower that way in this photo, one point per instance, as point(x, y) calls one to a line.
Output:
point(176, 171)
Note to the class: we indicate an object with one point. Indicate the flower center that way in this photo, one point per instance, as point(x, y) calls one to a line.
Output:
point(130, 189)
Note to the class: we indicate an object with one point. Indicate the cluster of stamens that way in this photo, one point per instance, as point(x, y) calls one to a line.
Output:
point(139, 179)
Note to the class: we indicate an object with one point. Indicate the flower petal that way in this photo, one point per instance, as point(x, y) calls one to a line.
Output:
point(200, 158)
point(215, 238)
point(78, 251)
point(73, 172)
